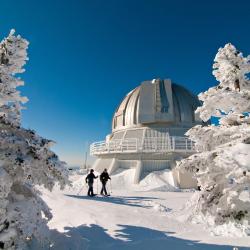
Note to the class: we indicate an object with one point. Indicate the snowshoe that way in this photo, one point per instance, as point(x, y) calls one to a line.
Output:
point(92, 195)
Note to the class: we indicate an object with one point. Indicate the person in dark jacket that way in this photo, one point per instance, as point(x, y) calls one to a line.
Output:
point(104, 177)
point(90, 180)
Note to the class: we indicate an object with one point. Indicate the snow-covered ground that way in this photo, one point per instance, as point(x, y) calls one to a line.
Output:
point(133, 217)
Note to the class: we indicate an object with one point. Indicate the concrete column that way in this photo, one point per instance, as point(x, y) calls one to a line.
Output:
point(176, 177)
point(113, 166)
point(138, 172)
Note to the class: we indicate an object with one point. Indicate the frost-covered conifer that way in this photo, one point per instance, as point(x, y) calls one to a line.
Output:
point(25, 158)
point(222, 164)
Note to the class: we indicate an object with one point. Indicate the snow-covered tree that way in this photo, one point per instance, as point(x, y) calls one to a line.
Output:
point(25, 158)
point(222, 161)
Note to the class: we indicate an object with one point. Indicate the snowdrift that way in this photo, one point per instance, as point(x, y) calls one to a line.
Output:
point(123, 180)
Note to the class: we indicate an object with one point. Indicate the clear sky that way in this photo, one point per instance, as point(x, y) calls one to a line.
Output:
point(86, 55)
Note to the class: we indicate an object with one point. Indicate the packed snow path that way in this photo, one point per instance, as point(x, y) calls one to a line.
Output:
point(128, 220)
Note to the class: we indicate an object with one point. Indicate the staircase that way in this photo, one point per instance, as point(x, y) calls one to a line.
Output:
point(157, 96)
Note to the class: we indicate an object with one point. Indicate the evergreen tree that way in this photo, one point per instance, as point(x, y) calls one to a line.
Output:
point(221, 164)
point(25, 158)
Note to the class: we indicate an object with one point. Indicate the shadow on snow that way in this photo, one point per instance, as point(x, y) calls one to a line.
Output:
point(95, 237)
point(134, 201)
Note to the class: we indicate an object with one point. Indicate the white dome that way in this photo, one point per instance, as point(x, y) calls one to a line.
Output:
point(156, 103)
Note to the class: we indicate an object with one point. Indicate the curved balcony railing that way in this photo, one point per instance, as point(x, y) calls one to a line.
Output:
point(149, 144)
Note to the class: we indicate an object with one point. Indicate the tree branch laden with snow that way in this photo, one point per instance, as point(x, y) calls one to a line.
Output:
point(221, 163)
point(25, 158)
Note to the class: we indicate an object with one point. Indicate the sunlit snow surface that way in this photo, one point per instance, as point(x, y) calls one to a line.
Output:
point(133, 217)
point(241, 153)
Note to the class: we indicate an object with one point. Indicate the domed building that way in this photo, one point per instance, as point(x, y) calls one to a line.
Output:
point(148, 131)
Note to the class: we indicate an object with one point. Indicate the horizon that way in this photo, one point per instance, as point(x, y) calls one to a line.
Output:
point(84, 57)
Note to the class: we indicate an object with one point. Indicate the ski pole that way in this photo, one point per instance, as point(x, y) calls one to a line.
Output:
point(110, 186)
point(97, 186)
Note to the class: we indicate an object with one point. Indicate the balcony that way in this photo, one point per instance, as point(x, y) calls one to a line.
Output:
point(148, 145)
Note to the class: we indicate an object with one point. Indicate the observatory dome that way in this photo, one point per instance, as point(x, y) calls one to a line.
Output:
point(148, 132)
point(156, 103)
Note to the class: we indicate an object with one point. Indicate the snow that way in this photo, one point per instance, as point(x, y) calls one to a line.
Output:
point(241, 153)
point(221, 163)
point(26, 158)
point(151, 215)
point(158, 181)
point(131, 218)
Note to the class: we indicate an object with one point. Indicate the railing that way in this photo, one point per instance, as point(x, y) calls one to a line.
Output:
point(149, 144)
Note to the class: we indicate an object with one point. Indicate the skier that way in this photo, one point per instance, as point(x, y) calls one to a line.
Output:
point(104, 177)
point(90, 180)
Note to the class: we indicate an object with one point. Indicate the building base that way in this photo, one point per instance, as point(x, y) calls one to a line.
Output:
point(145, 166)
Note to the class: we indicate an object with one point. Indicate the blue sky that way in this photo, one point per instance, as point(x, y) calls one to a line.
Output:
point(86, 55)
